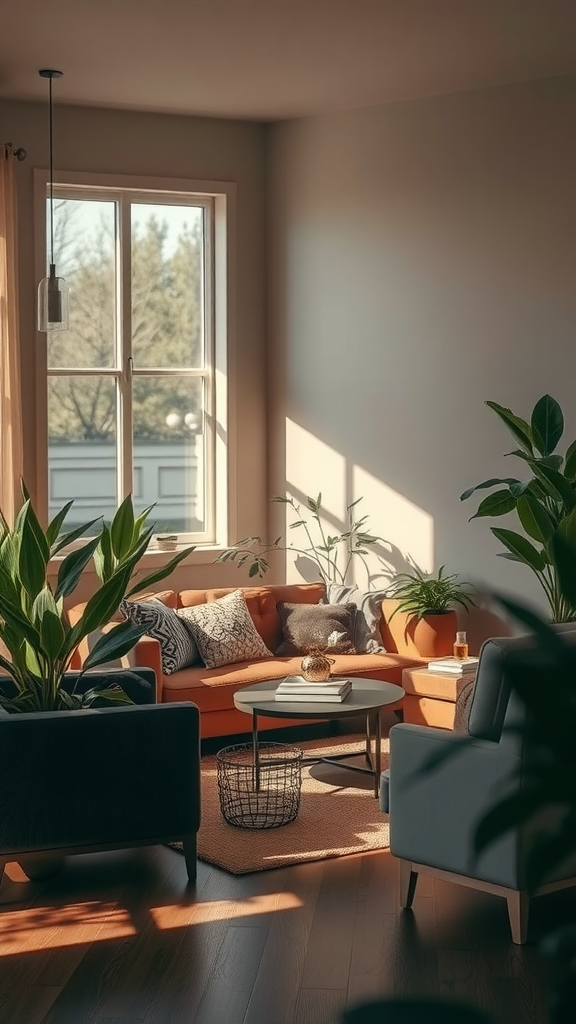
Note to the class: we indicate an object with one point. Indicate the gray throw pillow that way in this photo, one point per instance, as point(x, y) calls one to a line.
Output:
point(305, 626)
point(224, 631)
point(367, 637)
point(177, 646)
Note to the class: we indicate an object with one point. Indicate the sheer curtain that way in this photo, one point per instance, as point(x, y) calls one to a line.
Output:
point(11, 452)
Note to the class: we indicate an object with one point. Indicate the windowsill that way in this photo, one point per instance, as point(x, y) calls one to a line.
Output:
point(202, 555)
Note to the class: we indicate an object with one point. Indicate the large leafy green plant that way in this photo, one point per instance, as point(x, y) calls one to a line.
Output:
point(38, 639)
point(331, 553)
point(545, 503)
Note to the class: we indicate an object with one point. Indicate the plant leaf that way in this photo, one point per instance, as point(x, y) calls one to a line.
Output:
point(521, 547)
point(535, 519)
point(563, 546)
point(570, 466)
point(489, 483)
point(73, 535)
point(497, 504)
point(72, 567)
point(114, 644)
point(31, 560)
point(122, 528)
point(518, 427)
point(555, 484)
point(55, 524)
point(52, 632)
point(547, 424)
point(161, 573)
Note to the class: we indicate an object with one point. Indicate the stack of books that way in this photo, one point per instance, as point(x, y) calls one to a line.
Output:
point(454, 666)
point(297, 688)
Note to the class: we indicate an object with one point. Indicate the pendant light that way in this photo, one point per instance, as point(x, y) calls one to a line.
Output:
point(52, 291)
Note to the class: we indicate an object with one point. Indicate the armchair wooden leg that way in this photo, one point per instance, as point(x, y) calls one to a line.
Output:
point(408, 880)
point(189, 849)
point(518, 907)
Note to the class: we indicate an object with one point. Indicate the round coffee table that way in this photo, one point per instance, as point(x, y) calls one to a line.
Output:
point(367, 697)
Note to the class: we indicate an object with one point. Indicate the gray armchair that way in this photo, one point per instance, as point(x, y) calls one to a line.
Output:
point(434, 811)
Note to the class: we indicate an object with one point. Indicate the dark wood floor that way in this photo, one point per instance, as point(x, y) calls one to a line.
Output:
point(121, 938)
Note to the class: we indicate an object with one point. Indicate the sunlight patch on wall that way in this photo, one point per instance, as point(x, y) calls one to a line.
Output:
point(407, 529)
point(314, 467)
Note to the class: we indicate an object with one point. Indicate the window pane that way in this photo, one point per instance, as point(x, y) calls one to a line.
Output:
point(82, 460)
point(167, 285)
point(84, 251)
point(169, 452)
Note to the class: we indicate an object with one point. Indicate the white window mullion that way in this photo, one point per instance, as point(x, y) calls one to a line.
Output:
point(124, 351)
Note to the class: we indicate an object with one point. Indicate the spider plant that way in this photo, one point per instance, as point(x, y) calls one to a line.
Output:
point(422, 594)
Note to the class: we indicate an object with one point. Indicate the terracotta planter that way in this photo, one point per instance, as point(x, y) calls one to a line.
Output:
point(434, 635)
point(430, 637)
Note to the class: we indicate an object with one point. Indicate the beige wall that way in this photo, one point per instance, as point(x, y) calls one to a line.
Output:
point(424, 261)
point(106, 141)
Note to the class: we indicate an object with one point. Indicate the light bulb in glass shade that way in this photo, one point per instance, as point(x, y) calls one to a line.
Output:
point(53, 308)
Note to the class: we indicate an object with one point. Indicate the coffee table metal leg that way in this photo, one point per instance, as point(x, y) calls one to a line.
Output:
point(378, 752)
point(374, 757)
point(256, 749)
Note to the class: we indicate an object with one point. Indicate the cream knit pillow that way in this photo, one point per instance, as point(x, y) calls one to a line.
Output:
point(224, 631)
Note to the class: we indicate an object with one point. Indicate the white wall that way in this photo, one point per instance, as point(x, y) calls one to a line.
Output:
point(424, 261)
point(125, 143)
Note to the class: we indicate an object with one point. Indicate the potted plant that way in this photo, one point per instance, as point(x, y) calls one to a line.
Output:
point(46, 815)
point(545, 503)
point(426, 603)
point(38, 639)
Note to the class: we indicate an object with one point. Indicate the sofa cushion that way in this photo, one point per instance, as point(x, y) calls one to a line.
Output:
point(224, 631)
point(176, 640)
point(305, 627)
point(367, 636)
point(214, 689)
point(261, 603)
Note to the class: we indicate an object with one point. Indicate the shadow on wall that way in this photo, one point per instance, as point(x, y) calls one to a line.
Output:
point(481, 622)
point(390, 561)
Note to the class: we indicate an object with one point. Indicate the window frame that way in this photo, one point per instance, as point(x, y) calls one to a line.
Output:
point(220, 198)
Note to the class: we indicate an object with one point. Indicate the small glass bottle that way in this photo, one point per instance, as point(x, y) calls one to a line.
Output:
point(460, 649)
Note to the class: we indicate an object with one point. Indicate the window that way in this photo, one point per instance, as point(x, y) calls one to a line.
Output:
point(134, 389)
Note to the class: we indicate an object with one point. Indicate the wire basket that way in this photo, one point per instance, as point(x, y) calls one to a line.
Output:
point(263, 795)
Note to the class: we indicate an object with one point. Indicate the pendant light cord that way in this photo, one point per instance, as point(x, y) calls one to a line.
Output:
point(51, 178)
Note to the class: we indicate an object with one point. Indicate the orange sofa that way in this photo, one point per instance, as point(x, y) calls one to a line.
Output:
point(212, 690)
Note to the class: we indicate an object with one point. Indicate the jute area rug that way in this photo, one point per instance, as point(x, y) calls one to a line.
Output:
point(338, 815)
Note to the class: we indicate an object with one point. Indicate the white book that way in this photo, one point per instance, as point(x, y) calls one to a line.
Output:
point(311, 698)
point(299, 685)
point(454, 666)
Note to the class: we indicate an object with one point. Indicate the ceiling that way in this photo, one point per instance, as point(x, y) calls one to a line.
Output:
point(274, 59)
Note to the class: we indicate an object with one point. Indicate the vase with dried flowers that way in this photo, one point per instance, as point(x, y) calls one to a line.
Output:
point(316, 665)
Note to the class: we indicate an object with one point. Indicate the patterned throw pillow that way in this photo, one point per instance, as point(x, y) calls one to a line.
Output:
point(224, 631)
point(177, 646)
point(367, 637)
point(309, 625)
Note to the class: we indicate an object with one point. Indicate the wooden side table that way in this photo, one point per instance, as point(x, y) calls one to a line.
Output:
point(431, 696)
